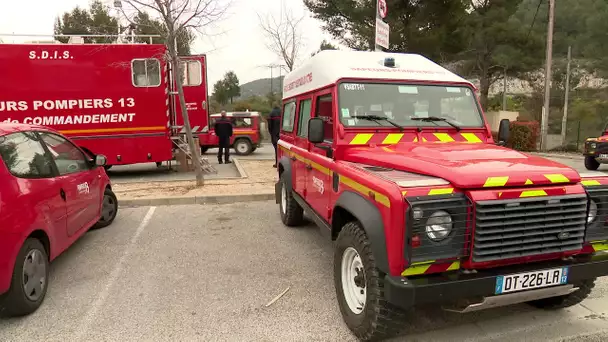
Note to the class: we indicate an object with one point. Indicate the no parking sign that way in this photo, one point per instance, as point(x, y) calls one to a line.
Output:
point(382, 9)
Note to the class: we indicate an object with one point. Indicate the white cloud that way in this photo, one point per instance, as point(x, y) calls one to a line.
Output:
point(240, 47)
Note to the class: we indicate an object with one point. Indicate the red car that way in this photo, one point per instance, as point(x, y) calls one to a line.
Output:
point(51, 193)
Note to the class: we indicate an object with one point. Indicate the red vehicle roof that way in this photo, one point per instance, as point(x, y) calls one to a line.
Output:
point(8, 128)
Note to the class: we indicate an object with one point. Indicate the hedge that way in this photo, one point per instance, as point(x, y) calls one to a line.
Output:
point(523, 135)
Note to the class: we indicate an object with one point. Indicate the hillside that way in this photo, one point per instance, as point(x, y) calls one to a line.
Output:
point(260, 87)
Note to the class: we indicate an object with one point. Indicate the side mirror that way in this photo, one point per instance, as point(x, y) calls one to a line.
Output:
point(503, 131)
point(316, 130)
point(100, 160)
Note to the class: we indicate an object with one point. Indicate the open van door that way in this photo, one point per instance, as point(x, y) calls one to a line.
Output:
point(194, 77)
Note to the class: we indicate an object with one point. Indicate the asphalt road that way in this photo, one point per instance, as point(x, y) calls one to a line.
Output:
point(205, 273)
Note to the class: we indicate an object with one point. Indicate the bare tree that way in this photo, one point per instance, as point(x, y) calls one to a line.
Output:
point(180, 16)
point(283, 36)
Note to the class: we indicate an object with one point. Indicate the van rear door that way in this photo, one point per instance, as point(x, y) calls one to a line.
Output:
point(194, 79)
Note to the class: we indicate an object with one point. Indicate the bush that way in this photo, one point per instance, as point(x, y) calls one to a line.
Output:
point(524, 135)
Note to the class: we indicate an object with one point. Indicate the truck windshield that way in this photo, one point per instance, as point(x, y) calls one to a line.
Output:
point(408, 105)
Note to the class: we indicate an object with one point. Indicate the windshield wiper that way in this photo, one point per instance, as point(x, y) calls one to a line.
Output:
point(377, 118)
point(434, 119)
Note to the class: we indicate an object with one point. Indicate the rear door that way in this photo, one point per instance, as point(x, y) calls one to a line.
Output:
point(80, 184)
point(194, 80)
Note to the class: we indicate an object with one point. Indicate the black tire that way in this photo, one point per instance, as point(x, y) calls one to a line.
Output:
point(159, 164)
point(591, 163)
point(242, 147)
point(561, 302)
point(108, 217)
point(379, 319)
point(16, 302)
point(292, 214)
point(204, 149)
point(253, 149)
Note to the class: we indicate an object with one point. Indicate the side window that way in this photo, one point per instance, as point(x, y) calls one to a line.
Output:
point(191, 73)
point(324, 111)
point(68, 158)
point(24, 156)
point(305, 107)
point(145, 72)
point(242, 122)
point(289, 116)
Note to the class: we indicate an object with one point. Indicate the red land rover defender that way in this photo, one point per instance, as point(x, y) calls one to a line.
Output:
point(246, 132)
point(391, 155)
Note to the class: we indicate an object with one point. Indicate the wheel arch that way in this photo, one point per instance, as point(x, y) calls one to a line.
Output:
point(43, 237)
point(284, 165)
point(351, 206)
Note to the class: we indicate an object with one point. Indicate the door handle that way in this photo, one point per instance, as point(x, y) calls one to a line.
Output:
point(62, 194)
point(308, 167)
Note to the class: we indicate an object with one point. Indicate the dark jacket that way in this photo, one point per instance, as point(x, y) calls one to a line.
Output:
point(274, 124)
point(223, 129)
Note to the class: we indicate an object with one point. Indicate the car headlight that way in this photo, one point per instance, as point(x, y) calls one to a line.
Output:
point(592, 211)
point(439, 225)
point(592, 145)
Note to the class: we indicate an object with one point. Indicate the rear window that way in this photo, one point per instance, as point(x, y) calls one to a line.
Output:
point(24, 156)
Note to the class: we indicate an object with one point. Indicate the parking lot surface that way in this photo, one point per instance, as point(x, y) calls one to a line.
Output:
point(206, 273)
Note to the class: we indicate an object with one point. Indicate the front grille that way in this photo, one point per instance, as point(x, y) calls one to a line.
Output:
point(525, 227)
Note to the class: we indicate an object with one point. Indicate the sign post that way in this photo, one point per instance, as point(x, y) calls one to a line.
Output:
point(382, 28)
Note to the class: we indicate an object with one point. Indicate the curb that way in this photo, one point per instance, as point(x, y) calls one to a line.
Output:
point(239, 168)
point(562, 156)
point(219, 199)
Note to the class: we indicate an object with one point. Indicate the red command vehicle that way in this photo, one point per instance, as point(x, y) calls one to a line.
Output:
point(391, 155)
point(246, 132)
point(113, 99)
point(51, 194)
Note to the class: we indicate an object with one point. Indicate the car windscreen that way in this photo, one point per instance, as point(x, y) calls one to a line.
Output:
point(407, 105)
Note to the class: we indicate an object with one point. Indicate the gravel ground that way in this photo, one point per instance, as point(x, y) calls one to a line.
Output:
point(260, 179)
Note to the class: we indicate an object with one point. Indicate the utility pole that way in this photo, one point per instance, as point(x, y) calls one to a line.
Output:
point(565, 117)
point(549, 60)
point(504, 90)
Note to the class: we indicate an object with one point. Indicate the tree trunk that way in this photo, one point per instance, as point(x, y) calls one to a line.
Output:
point(194, 150)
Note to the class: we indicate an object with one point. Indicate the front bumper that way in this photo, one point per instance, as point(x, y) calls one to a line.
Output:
point(456, 286)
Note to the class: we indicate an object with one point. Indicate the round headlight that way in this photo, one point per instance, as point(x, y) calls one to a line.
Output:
point(592, 211)
point(439, 225)
point(593, 145)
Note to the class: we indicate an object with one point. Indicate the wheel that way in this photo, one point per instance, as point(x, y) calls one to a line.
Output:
point(360, 287)
point(561, 302)
point(591, 163)
point(29, 282)
point(292, 214)
point(243, 147)
point(253, 149)
point(109, 209)
point(204, 149)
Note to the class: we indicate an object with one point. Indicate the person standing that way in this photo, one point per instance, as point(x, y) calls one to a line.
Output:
point(223, 130)
point(274, 128)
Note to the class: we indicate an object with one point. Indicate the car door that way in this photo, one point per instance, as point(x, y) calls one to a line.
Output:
point(301, 141)
point(79, 182)
point(39, 192)
point(319, 182)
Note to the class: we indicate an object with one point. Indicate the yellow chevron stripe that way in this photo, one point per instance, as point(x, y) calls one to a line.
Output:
point(471, 137)
point(392, 138)
point(361, 138)
point(443, 137)
point(533, 193)
point(496, 181)
point(590, 182)
point(454, 266)
point(557, 178)
point(417, 268)
point(528, 182)
point(600, 247)
point(441, 191)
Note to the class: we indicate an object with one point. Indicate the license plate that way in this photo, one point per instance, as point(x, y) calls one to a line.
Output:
point(604, 156)
point(531, 280)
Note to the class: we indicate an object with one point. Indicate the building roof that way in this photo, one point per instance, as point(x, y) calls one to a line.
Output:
point(329, 66)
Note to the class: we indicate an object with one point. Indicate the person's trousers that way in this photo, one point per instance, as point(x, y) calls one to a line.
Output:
point(224, 149)
point(276, 154)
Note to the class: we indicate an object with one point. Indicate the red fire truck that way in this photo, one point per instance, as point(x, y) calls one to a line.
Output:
point(118, 100)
